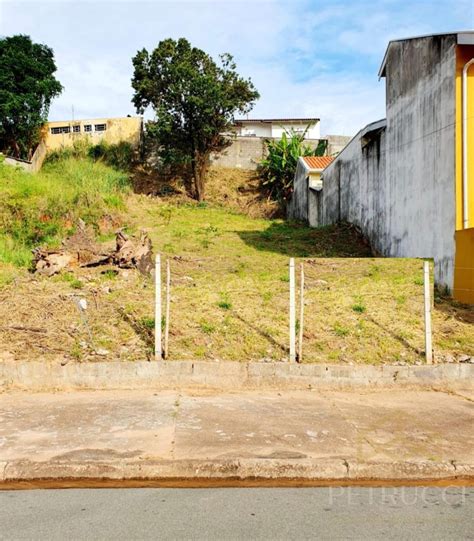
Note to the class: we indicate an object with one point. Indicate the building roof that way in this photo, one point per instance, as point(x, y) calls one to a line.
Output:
point(77, 120)
point(272, 120)
point(465, 37)
point(317, 163)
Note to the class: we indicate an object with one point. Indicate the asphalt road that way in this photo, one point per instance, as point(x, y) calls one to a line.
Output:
point(239, 513)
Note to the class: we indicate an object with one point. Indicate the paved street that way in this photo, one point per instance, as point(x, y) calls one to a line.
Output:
point(305, 513)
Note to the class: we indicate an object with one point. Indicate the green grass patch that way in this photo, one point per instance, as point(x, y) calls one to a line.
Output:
point(42, 208)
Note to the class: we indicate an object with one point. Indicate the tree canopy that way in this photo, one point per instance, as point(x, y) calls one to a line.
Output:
point(194, 100)
point(27, 87)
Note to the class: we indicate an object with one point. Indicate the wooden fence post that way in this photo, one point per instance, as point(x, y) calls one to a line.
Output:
point(300, 344)
point(292, 312)
point(158, 351)
point(428, 338)
point(167, 313)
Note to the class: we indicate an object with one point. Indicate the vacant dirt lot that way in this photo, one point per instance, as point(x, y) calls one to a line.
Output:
point(230, 295)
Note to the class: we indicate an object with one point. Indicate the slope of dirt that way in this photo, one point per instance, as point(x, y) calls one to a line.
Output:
point(234, 189)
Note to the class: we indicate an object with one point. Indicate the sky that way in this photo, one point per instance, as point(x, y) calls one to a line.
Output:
point(306, 57)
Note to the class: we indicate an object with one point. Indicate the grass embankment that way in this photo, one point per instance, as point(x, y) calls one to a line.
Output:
point(230, 293)
point(41, 209)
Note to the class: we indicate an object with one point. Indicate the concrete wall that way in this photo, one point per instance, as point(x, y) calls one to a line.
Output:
point(247, 152)
point(420, 78)
point(243, 153)
point(36, 161)
point(398, 184)
point(305, 204)
point(127, 129)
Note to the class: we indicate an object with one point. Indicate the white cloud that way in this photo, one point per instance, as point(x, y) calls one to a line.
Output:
point(306, 57)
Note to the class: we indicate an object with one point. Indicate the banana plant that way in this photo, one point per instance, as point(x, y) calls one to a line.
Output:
point(278, 168)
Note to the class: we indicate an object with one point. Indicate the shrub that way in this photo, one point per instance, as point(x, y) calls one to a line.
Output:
point(40, 209)
point(277, 170)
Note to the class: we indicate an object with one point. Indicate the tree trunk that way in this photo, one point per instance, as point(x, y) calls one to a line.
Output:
point(200, 168)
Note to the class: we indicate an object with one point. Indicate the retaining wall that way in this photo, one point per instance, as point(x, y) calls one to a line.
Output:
point(39, 376)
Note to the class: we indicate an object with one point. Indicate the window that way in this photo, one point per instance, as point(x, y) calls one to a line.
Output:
point(100, 127)
point(87, 127)
point(61, 129)
point(76, 129)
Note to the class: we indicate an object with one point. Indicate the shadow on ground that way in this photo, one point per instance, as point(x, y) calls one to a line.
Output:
point(297, 240)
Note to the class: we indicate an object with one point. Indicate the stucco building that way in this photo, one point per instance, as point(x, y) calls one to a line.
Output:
point(276, 127)
point(61, 134)
point(408, 180)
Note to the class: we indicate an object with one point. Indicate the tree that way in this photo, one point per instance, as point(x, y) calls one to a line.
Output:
point(277, 170)
point(194, 100)
point(27, 87)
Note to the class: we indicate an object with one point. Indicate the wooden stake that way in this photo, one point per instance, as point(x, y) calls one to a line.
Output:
point(300, 344)
point(292, 312)
point(167, 315)
point(158, 351)
point(428, 338)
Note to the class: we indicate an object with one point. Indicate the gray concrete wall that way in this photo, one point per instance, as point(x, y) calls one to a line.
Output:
point(421, 119)
point(354, 187)
point(36, 161)
point(248, 152)
point(42, 376)
point(398, 185)
point(298, 205)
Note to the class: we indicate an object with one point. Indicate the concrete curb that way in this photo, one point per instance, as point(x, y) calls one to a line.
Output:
point(39, 376)
point(235, 471)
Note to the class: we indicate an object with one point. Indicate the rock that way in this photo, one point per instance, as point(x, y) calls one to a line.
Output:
point(463, 358)
point(6, 356)
point(102, 352)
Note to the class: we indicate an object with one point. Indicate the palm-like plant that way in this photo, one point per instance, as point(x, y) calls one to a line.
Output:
point(277, 170)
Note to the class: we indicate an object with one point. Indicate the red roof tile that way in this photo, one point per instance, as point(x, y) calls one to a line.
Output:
point(318, 162)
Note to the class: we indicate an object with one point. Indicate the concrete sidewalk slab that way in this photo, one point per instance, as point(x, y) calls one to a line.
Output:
point(171, 436)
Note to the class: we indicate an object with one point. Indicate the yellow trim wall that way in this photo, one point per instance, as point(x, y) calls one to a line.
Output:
point(464, 261)
point(127, 129)
point(464, 266)
point(464, 54)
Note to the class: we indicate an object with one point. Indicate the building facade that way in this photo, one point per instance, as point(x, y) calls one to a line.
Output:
point(63, 134)
point(408, 180)
point(276, 127)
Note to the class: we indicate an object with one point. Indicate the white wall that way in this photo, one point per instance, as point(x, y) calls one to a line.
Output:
point(278, 128)
point(260, 129)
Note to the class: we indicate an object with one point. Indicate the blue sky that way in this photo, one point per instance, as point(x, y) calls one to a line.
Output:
point(306, 57)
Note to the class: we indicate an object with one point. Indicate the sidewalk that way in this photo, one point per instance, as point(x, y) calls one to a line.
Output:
point(271, 437)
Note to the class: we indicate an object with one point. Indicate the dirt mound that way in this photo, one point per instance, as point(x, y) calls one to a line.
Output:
point(236, 189)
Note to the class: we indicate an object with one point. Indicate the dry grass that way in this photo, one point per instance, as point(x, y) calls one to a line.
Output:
point(230, 296)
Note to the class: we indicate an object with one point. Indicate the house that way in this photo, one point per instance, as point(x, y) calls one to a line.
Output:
point(304, 204)
point(408, 180)
point(62, 134)
point(276, 127)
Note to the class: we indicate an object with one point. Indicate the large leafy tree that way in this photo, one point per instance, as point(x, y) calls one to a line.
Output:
point(194, 99)
point(27, 87)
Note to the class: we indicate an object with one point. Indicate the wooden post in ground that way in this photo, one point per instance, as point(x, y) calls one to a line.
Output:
point(292, 312)
point(158, 352)
point(300, 343)
point(167, 313)
point(428, 338)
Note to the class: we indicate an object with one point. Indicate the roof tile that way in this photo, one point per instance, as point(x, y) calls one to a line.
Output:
point(318, 162)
